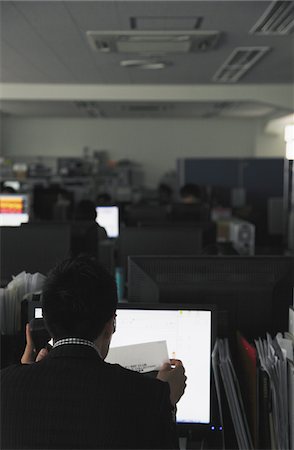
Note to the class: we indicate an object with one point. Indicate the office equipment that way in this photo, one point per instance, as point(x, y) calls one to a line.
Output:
point(40, 334)
point(177, 240)
point(240, 233)
point(33, 247)
point(108, 218)
point(252, 294)
point(14, 209)
point(73, 166)
point(187, 331)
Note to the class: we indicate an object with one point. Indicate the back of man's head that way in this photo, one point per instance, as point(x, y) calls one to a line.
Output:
point(79, 297)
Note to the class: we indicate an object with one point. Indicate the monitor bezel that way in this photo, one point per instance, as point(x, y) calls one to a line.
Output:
point(186, 427)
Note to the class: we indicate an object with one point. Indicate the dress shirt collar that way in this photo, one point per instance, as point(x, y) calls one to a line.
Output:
point(76, 341)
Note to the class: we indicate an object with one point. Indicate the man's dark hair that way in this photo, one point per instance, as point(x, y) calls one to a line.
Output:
point(79, 297)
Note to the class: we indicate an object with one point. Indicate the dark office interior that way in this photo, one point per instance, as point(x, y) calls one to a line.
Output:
point(157, 137)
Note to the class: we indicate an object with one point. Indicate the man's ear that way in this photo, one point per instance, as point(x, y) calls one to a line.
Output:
point(108, 328)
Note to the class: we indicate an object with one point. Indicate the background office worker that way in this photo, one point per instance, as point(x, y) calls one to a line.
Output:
point(71, 398)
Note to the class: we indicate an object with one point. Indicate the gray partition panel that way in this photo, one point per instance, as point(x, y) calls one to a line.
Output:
point(33, 248)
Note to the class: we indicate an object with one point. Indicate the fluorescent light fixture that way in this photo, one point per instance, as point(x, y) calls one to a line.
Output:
point(145, 64)
point(289, 138)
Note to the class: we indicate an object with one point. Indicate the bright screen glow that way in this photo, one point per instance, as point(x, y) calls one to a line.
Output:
point(13, 209)
point(188, 337)
point(38, 313)
point(108, 218)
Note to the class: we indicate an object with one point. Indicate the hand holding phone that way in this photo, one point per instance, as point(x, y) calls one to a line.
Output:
point(37, 338)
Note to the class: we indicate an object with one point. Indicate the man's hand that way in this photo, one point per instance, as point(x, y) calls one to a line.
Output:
point(29, 355)
point(175, 377)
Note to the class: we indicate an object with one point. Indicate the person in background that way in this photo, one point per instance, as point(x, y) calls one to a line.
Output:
point(86, 233)
point(86, 211)
point(7, 189)
point(165, 194)
point(190, 193)
point(71, 398)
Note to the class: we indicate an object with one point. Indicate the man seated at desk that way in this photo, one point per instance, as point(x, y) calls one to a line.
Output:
point(71, 398)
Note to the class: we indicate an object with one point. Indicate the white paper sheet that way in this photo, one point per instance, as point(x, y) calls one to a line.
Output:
point(140, 357)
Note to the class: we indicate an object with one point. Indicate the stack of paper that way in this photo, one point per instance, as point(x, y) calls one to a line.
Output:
point(12, 296)
point(276, 362)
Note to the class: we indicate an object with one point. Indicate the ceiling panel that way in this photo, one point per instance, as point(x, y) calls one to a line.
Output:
point(101, 15)
point(45, 42)
point(54, 25)
point(21, 36)
point(23, 69)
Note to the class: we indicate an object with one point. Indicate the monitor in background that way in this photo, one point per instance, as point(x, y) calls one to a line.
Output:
point(108, 218)
point(14, 184)
point(188, 332)
point(252, 294)
point(176, 240)
point(14, 209)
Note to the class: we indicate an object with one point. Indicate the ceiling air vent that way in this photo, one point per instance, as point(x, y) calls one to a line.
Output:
point(152, 42)
point(238, 63)
point(278, 18)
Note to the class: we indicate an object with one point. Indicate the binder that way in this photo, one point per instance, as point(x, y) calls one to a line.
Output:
point(248, 383)
point(273, 363)
point(232, 395)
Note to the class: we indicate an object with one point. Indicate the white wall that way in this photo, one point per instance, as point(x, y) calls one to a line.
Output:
point(156, 144)
point(269, 143)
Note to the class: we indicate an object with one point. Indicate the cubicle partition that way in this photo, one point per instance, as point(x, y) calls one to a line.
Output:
point(32, 248)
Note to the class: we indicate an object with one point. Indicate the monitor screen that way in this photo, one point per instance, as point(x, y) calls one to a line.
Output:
point(252, 294)
point(188, 334)
point(14, 184)
point(38, 313)
point(14, 209)
point(108, 218)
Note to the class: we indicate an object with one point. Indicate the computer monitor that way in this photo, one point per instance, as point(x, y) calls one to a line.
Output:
point(14, 209)
point(189, 333)
point(14, 184)
point(108, 218)
point(252, 294)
